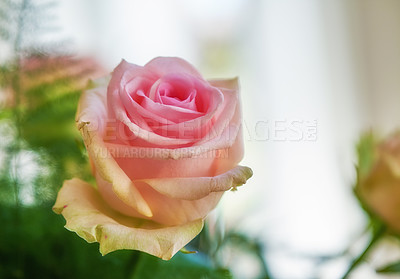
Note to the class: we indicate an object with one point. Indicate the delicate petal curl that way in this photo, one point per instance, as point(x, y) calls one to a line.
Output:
point(194, 188)
point(88, 215)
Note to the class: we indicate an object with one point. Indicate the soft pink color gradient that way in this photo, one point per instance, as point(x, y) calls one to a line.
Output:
point(164, 143)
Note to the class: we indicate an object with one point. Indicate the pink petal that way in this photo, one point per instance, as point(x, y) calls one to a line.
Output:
point(166, 65)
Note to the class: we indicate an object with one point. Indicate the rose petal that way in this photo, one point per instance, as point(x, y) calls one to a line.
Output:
point(172, 122)
point(217, 153)
point(88, 216)
point(167, 65)
point(137, 110)
point(194, 188)
point(90, 120)
point(197, 128)
point(174, 114)
point(127, 71)
point(225, 117)
point(177, 201)
point(140, 135)
point(166, 210)
point(223, 134)
point(380, 191)
point(117, 111)
point(232, 135)
point(128, 100)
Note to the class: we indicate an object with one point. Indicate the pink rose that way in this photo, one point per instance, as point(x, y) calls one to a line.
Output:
point(164, 145)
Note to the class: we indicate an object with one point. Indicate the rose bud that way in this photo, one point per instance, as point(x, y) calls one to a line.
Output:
point(164, 146)
point(379, 181)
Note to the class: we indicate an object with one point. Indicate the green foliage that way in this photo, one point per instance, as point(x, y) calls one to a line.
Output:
point(181, 266)
point(366, 153)
point(391, 268)
point(39, 148)
point(366, 158)
point(47, 123)
point(34, 244)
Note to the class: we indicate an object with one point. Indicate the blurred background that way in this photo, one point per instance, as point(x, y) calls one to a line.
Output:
point(314, 76)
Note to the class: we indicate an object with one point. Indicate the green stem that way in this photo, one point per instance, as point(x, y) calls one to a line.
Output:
point(265, 268)
point(376, 236)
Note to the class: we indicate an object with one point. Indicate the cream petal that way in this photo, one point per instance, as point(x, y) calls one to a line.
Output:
point(166, 210)
point(231, 84)
point(87, 215)
point(108, 168)
point(194, 188)
point(90, 120)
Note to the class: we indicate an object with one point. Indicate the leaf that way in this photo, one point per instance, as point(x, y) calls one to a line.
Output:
point(391, 268)
point(366, 153)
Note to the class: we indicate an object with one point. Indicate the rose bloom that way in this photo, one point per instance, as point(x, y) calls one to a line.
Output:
point(164, 146)
point(379, 188)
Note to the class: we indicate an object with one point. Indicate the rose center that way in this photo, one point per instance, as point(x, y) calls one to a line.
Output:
point(179, 96)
